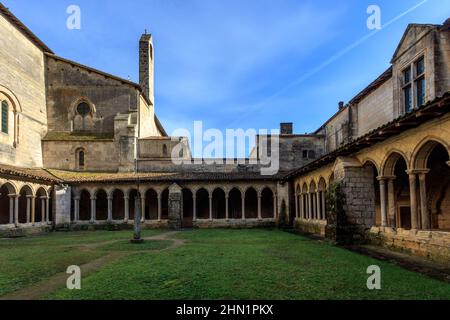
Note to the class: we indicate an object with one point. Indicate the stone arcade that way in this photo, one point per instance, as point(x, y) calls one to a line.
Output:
point(74, 141)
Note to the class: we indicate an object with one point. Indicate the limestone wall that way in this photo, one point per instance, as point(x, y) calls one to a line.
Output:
point(22, 81)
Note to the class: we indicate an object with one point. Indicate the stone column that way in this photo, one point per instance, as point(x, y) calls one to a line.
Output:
point(324, 206)
point(391, 203)
point(11, 209)
point(210, 208)
point(259, 208)
point(301, 206)
point(110, 200)
point(309, 207)
point(28, 209)
point(143, 209)
point(319, 211)
point(227, 213)
point(76, 209)
point(243, 206)
point(47, 210)
point(275, 207)
point(194, 205)
point(33, 209)
point(382, 181)
point(413, 198)
point(423, 201)
point(126, 214)
point(93, 209)
point(297, 209)
point(43, 209)
point(16, 209)
point(175, 205)
point(159, 207)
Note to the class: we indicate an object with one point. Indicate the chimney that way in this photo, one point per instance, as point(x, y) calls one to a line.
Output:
point(341, 105)
point(146, 66)
point(286, 128)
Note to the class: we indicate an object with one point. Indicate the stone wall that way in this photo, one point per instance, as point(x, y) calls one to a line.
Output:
point(433, 245)
point(22, 80)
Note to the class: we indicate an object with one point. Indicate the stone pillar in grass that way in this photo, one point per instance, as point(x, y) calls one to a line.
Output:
point(175, 206)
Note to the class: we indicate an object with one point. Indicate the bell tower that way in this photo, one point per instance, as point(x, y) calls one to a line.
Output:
point(146, 66)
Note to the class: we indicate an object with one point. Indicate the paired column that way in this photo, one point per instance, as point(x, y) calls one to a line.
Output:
point(391, 202)
point(93, 209)
point(382, 181)
point(426, 224)
point(47, 209)
point(11, 208)
point(318, 211)
point(143, 209)
point(16, 209)
point(297, 209)
point(110, 199)
point(275, 205)
point(160, 207)
point(43, 209)
point(243, 206)
point(413, 198)
point(210, 208)
point(309, 207)
point(76, 209)
point(126, 208)
point(227, 213)
point(259, 208)
point(324, 207)
point(194, 209)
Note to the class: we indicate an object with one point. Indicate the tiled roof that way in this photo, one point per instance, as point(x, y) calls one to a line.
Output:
point(431, 110)
point(29, 173)
point(85, 177)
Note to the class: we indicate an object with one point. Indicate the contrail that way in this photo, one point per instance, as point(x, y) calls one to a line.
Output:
point(254, 108)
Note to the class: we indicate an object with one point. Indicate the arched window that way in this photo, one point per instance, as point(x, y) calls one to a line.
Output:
point(80, 158)
point(4, 116)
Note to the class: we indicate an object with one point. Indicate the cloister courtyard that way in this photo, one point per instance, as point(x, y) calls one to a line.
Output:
point(200, 264)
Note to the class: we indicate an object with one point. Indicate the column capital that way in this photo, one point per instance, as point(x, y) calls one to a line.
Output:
point(386, 178)
point(93, 198)
point(31, 197)
point(76, 198)
point(13, 195)
point(448, 163)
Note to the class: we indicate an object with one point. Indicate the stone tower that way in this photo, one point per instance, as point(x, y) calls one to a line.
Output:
point(146, 66)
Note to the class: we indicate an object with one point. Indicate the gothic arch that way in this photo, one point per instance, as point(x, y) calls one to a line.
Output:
point(423, 150)
point(389, 162)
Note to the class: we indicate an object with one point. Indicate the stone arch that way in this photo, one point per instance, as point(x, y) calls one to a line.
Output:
point(6, 203)
point(218, 203)
point(11, 186)
point(151, 204)
point(82, 119)
point(85, 205)
point(267, 203)
point(118, 204)
point(101, 205)
point(424, 149)
point(305, 188)
point(134, 196)
point(322, 185)
point(388, 164)
point(165, 204)
point(370, 173)
point(40, 204)
point(372, 162)
point(26, 197)
point(251, 203)
point(235, 203)
point(202, 203)
point(188, 207)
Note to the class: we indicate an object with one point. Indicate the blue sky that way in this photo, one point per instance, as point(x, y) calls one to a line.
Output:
point(234, 63)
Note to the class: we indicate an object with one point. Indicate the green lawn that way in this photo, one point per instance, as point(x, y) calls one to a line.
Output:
point(212, 264)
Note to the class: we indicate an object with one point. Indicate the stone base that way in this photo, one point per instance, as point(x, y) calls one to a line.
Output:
point(11, 231)
point(234, 223)
point(434, 245)
point(310, 227)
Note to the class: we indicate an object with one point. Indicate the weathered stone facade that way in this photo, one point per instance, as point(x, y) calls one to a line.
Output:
point(84, 149)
